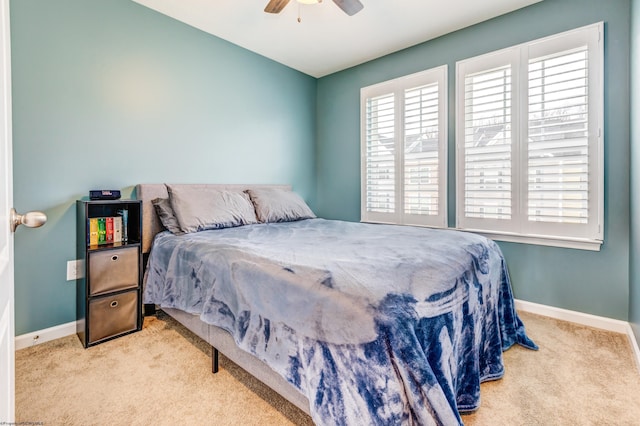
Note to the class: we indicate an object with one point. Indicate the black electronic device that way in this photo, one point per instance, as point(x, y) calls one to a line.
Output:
point(104, 194)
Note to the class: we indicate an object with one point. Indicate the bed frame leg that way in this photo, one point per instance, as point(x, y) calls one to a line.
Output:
point(214, 360)
point(149, 309)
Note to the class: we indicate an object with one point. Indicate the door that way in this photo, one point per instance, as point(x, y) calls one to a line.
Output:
point(7, 378)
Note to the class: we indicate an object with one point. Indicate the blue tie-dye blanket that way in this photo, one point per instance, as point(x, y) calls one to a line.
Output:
point(375, 324)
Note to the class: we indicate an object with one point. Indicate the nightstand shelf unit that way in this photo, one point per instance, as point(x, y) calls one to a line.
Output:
point(109, 291)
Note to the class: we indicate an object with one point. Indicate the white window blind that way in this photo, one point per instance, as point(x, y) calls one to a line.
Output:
point(558, 145)
point(529, 144)
point(380, 154)
point(404, 150)
point(487, 154)
point(421, 146)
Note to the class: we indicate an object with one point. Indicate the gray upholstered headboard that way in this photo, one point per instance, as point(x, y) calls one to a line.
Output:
point(149, 191)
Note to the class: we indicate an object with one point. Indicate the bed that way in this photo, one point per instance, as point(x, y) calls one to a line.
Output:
point(353, 323)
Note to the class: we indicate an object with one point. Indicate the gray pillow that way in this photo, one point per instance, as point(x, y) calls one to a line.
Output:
point(166, 215)
point(279, 205)
point(199, 208)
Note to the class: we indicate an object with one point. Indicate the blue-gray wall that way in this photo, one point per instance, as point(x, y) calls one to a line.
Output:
point(591, 282)
point(634, 275)
point(108, 94)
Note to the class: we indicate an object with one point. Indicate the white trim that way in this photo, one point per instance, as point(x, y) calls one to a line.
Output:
point(46, 335)
point(634, 346)
point(594, 321)
point(542, 240)
point(516, 226)
point(396, 90)
point(603, 323)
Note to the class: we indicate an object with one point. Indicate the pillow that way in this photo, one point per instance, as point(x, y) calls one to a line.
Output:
point(199, 208)
point(165, 213)
point(279, 205)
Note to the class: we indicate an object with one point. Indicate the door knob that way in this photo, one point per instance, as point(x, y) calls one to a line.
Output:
point(29, 219)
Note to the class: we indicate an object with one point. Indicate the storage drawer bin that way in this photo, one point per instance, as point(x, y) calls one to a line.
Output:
point(112, 315)
point(113, 270)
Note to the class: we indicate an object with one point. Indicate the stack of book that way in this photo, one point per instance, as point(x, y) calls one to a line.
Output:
point(107, 230)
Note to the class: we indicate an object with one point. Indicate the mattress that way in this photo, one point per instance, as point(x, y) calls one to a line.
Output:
point(372, 323)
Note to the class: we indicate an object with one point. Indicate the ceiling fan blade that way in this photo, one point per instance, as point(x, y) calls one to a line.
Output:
point(276, 6)
point(350, 7)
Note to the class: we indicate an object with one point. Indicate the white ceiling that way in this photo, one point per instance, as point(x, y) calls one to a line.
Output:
point(327, 40)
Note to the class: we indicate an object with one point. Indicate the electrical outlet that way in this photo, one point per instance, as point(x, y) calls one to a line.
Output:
point(74, 270)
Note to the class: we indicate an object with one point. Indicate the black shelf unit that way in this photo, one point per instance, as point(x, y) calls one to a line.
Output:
point(109, 291)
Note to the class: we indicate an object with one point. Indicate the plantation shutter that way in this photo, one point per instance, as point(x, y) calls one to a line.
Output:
point(421, 146)
point(558, 143)
point(488, 144)
point(380, 154)
point(403, 148)
point(529, 141)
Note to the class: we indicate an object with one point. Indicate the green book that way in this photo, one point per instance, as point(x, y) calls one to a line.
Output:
point(102, 230)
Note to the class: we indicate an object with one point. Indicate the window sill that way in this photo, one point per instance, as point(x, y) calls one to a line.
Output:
point(540, 240)
point(572, 243)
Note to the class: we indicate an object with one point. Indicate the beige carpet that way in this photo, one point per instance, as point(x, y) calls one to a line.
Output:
point(161, 375)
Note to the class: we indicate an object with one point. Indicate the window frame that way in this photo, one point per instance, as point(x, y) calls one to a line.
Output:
point(398, 86)
point(519, 228)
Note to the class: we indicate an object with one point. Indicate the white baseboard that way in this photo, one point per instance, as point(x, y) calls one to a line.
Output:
point(634, 345)
point(594, 321)
point(41, 336)
point(603, 323)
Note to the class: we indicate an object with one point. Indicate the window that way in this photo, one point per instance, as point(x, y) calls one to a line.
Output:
point(529, 141)
point(404, 140)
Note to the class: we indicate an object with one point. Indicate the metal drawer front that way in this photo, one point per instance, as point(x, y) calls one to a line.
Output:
point(113, 270)
point(113, 315)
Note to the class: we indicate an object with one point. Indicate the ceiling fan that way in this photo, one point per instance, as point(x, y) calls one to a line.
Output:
point(350, 7)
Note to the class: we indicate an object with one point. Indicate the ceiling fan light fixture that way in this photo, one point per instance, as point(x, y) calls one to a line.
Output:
point(350, 7)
